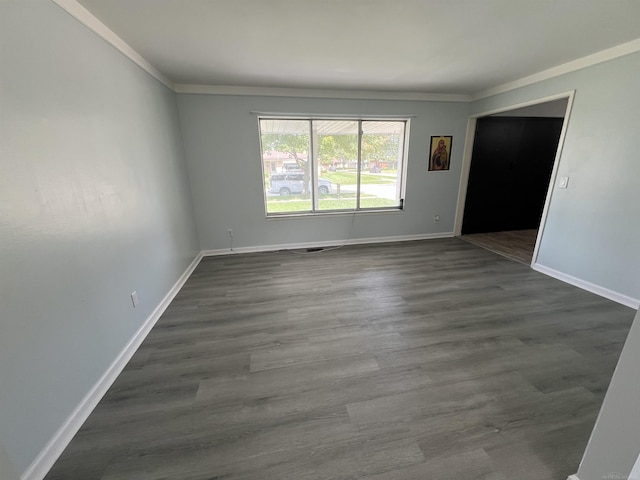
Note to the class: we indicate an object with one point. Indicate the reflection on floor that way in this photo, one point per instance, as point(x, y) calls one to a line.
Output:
point(425, 360)
point(517, 245)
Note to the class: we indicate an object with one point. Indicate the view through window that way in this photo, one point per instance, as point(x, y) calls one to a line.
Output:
point(325, 165)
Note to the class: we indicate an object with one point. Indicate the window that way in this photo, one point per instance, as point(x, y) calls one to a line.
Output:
point(325, 165)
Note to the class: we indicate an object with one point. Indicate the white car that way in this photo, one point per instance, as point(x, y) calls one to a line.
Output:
point(286, 184)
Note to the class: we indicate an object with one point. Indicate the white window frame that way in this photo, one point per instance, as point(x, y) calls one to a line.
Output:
point(315, 211)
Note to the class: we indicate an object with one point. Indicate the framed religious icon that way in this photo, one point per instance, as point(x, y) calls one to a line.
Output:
point(440, 152)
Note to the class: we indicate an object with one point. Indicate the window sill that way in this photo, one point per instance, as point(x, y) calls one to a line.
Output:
point(348, 213)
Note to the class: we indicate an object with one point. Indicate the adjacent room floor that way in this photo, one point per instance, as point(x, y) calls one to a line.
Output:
point(409, 361)
point(517, 245)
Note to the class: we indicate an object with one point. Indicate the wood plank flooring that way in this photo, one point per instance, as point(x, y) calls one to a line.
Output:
point(418, 360)
point(517, 244)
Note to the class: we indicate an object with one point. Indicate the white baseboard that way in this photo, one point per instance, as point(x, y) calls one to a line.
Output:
point(588, 286)
point(325, 243)
point(54, 448)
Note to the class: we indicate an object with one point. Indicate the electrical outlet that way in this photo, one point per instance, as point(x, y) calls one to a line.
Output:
point(134, 299)
point(436, 218)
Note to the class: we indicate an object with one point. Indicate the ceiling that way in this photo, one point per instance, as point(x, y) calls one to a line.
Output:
point(430, 46)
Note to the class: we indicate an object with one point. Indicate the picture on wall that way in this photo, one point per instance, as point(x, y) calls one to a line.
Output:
point(440, 156)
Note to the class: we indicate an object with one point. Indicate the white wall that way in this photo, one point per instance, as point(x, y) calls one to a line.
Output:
point(94, 203)
point(593, 229)
point(553, 109)
point(615, 442)
point(223, 154)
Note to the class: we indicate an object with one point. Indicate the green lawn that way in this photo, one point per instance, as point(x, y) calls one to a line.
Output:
point(297, 203)
point(349, 178)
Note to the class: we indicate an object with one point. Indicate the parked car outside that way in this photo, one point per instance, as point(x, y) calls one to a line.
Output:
point(291, 167)
point(286, 184)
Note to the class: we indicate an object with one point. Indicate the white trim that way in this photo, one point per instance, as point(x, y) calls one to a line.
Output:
point(528, 103)
point(468, 155)
point(635, 471)
point(334, 213)
point(329, 116)
point(552, 180)
point(588, 61)
point(464, 174)
point(73, 8)
point(56, 445)
point(588, 286)
point(319, 93)
point(325, 243)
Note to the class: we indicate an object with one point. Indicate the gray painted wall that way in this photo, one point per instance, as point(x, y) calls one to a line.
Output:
point(554, 109)
point(95, 200)
point(615, 442)
point(7, 469)
point(94, 203)
point(223, 154)
point(592, 231)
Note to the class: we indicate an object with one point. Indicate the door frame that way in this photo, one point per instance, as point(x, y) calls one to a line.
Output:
point(468, 152)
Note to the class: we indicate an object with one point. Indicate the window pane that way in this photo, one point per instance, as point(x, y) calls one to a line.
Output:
point(382, 153)
point(335, 152)
point(285, 159)
point(350, 169)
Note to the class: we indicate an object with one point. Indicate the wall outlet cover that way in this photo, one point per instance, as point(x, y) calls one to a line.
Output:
point(134, 299)
point(564, 182)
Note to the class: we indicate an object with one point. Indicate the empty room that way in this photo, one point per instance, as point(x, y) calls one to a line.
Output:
point(293, 239)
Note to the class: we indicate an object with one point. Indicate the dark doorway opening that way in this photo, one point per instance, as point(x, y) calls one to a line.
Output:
point(511, 166)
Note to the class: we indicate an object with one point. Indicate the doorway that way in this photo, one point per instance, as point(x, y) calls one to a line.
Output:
point(511, 168)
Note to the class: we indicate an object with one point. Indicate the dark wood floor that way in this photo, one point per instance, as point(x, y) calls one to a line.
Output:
point(418, 360)
point(516, 244)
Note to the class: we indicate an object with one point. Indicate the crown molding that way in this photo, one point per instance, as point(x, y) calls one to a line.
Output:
point(588, 61)
point(73, 8)
point(319, 93)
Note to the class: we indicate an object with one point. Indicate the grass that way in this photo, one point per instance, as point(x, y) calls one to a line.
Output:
point(349, 178)
point(297, 203)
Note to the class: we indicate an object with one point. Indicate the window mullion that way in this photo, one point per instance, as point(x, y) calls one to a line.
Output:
point(285, 139)
point(313, 136)
point(359, 165)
